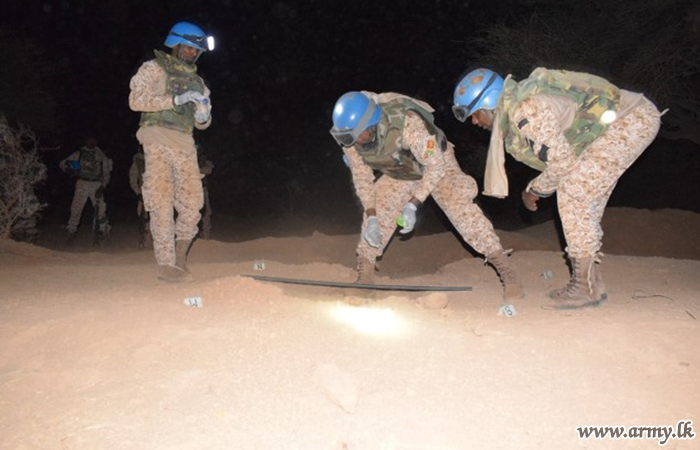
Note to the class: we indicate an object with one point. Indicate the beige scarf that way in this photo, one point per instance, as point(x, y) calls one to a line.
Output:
point(495, 178)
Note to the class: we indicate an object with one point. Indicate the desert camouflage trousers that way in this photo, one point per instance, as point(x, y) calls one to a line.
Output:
point(83, 190)
point(584, 192)
point(171, 182)
point(454, 194)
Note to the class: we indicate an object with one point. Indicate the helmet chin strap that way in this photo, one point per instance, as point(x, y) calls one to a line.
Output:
point(362, 124)
point(372, 143)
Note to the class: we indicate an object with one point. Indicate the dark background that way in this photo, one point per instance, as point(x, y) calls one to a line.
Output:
point(279, 66)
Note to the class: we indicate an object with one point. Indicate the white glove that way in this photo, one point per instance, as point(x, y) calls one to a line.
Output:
point(408, 218)
point(202, 111)
point(186, 97)
point(373, 234)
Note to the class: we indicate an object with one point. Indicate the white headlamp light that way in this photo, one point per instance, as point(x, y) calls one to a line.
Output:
point(608, 117)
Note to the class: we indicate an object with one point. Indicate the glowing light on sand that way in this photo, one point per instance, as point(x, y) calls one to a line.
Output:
point(374, 321)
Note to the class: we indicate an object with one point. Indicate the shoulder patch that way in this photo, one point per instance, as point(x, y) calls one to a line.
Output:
point(430, 146)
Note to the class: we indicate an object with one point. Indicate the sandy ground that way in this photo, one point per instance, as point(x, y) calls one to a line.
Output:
point(97, 354)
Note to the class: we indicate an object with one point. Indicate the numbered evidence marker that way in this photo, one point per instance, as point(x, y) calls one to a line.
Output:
point(195, 302)
point(507, 310)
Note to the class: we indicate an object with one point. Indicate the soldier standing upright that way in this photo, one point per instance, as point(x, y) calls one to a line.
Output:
point(173, 101)
point(92, 170)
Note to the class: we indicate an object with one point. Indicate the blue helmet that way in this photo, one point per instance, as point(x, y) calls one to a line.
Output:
point(353, 113)
point(480, 89)
point(189, 34)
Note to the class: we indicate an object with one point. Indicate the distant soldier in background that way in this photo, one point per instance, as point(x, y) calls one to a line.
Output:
point(205, 168)
point(138, 166)
point(92, 170)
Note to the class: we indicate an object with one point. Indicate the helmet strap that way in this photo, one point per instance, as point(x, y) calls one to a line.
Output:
point(483, 91)
point(362, 124)
point(178, 53)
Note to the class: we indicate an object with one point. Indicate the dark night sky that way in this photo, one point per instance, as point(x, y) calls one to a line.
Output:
point(277, 70)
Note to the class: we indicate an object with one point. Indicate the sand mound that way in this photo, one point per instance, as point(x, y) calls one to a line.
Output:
point(98, 354)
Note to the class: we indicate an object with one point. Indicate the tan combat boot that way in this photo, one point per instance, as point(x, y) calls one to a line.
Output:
point(365, 275)
point(172, 274)
point(365, 271)
point(71, 239)
point(586, 286)
point(182, 247)
point(512, 286)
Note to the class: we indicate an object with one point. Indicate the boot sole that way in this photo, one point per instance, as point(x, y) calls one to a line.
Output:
point(569, 305)
point(182, 277)
point(176, 280)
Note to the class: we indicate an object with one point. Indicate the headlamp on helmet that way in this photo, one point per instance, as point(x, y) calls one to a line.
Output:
point(189, 34)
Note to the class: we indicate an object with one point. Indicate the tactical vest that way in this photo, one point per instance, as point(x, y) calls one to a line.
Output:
point(90, 164)
point(387, 153)
point(182, 77)
point(593, 96)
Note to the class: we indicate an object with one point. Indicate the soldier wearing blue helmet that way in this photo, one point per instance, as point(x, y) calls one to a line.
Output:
point(92, 169)
point(173, 101)
point(477, 91)
point(581, 132)
point(354, 113)
point(185, 37)
point(395, 135)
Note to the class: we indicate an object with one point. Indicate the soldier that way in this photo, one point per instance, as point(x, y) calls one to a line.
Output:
point(205, 168)
point(173, 100)
point(92, 169)
point(395, 135)
point(138, 166)
point(581, 132)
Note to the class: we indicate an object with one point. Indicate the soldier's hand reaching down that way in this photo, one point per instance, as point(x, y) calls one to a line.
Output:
point(530, 201)
point(372, 234)
point(408, 218)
